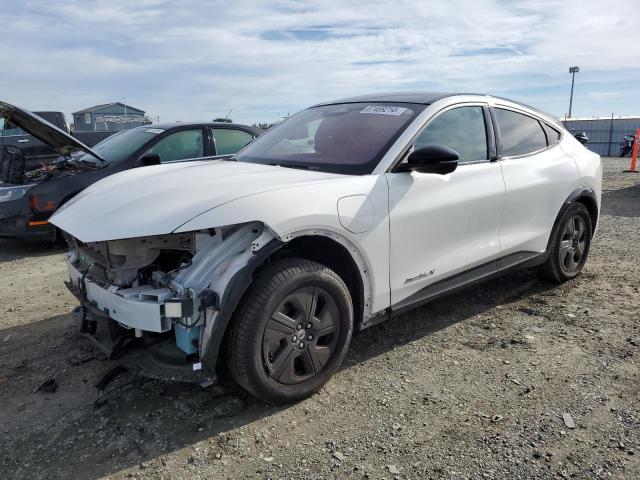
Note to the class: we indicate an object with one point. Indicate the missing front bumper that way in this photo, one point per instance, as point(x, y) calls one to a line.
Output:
point(160, 360)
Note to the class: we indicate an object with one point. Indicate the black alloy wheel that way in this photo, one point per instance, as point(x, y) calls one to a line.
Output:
point(291, 331)
point(300, 335)
point(569, 244)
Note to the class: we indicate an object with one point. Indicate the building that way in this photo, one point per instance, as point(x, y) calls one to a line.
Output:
point(605, 133)
point(110, 117)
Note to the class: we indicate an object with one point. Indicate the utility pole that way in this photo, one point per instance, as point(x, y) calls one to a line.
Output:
point(572, 71)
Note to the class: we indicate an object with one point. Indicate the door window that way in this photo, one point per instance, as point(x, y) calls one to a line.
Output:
point(461, 129)
point(8, 129)
point(229, 141)
point(519, 134)
point(553, 135)
point(180, 146)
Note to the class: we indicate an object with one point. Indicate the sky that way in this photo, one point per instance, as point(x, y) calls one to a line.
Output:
point(196, 60)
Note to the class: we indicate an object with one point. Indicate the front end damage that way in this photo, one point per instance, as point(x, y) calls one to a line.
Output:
point(160, 304)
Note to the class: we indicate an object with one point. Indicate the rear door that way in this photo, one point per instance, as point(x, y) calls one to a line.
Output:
point(538, 176)
point(445, 225)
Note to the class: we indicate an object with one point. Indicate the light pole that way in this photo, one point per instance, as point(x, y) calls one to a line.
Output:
point(572, 71)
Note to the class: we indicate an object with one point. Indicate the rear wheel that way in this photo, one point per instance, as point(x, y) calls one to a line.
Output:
point(291, 332)
point(570, 242)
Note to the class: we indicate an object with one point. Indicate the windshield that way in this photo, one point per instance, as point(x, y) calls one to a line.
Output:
point(121, 145)
point(347, 138)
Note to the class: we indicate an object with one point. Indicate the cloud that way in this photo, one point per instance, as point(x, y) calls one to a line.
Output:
point(194, 60)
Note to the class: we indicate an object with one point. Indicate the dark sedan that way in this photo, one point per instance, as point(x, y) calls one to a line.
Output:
point(29, 197)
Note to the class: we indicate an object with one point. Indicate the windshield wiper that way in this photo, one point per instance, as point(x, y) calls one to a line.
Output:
point(88, 163)
point(294, 165)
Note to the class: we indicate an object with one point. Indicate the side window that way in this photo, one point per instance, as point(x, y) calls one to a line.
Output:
point(519, 134)
point(553, 135)
point(461, 129)
point(180, 146)
point(229, 141)
point(8, 129)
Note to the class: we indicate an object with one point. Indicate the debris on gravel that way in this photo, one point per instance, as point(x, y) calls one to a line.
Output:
point(568, 421)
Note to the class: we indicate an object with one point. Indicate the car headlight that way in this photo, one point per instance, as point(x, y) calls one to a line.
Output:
point(13, 193)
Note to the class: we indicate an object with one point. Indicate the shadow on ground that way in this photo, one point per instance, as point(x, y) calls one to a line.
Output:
point(14, 249)
point(67, 434)
point(624, 202)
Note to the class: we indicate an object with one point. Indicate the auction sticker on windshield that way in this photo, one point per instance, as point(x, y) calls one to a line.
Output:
point(383, 110)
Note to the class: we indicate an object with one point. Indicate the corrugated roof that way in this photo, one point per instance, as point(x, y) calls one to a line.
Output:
point(95, 108)
point(582, 119)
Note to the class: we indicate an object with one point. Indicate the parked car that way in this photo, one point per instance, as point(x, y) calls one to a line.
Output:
point(36, 152)
point(29, 197)
point(340, 217)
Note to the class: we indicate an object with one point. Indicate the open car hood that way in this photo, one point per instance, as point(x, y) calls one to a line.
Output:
point(57, 139)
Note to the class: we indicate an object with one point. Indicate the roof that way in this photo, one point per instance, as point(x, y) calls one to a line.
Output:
point(584, 119)
point(170, 125)
point(424, 98)
point(96, 108)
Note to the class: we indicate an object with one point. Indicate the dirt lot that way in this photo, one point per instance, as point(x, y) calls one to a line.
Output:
point(472, 386)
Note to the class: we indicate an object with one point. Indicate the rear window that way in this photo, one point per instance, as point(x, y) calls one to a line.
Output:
point(228, 140)
point(519, 134)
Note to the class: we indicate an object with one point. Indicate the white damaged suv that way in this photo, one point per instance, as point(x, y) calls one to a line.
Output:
point(345, 214)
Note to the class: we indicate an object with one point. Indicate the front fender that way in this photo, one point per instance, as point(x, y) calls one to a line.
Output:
point(229, 301)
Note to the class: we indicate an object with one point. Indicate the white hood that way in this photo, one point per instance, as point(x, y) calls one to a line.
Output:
point(157, 200)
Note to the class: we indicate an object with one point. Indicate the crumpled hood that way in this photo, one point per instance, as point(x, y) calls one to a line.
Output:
point(157, 200)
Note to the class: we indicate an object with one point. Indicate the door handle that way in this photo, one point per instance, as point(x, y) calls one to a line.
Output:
point(23, 140)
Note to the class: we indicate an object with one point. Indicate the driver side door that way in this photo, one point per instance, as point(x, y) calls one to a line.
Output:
point(179, 146)
point(444, 228)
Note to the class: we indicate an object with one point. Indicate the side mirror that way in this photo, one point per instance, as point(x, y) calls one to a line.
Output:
point(582, 137)
point(149, 159)
point(431, 159)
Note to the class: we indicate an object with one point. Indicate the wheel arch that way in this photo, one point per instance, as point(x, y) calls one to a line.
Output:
point(319, 245)
point(585, 196)
point(335, 255)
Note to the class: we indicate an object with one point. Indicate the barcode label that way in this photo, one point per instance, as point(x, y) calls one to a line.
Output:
point(383, 110)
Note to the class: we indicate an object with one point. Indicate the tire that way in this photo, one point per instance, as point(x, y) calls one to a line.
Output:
point(291, 331)
point(569, 245)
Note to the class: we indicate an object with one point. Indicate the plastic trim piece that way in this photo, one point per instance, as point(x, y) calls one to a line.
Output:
point(461, 280)
point(230, 299)
point(578, 193)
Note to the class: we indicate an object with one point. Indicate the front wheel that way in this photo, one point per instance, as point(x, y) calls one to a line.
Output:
point(292, 331)
point(569, 246)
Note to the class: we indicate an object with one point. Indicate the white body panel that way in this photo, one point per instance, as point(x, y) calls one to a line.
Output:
point(442, 224)
point(314, 208)
point(157, 200)
point(537, 186)
point(589, 166)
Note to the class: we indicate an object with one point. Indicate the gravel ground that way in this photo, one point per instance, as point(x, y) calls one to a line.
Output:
point(472, 386)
